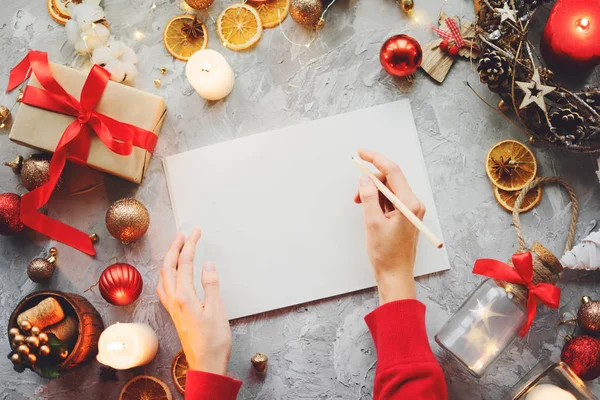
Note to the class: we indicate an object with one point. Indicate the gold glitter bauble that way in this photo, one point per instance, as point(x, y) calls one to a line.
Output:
point(588, 316)
point(199, 4)
point(40, 270)
point(4, 114)
point(306, 12)
point(35, 171)
point(127, 220)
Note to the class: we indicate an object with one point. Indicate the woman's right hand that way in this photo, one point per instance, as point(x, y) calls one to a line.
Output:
point(391, 238)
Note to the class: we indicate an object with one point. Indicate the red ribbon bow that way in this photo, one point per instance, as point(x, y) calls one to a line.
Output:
point(454, 33)
point(75, 142)
point(521, 274)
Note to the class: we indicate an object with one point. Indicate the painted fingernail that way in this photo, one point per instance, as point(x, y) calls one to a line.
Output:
point(364, 180)
point(210, 266)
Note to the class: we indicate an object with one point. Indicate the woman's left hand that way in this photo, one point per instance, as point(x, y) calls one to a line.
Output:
point(203, 327)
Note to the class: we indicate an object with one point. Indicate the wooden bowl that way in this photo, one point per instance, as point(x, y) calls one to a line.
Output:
point(89, 327)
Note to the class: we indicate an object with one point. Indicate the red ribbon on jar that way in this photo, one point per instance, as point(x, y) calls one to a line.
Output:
point(74, 144)
point(521, 274)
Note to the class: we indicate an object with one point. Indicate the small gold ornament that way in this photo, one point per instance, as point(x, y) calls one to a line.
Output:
point(157, 82)
point(43, 338)
point(13, 332)
point(44, 350)
point(20, 96)
point(199, 4)
point(64, 354)
point(41, 270)
point(23, 350)
point(306, 12)
point(35, 171)
point(94, 237)
point(259, 363)
point(19, 340)
point(35, 331)
point(25, 326)
point(163, 70)
point(32, 358)
point(503, 106)
point(33, 342)
point(127, 220)
point(4, 115)
point(15, 358)
point(407, 5)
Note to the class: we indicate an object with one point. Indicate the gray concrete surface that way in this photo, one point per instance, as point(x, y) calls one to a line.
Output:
point(321, 350)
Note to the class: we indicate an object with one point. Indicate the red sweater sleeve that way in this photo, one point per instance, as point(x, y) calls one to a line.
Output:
point(406, 367)
point(207, 386)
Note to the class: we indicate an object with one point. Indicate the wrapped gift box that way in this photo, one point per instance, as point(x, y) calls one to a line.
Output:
point(42, 129)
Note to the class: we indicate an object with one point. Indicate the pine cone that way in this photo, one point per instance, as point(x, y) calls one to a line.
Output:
point(495, 71)
point(568, 124)
point(592, 98)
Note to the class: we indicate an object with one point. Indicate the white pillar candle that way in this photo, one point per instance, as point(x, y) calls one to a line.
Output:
point(210, 74)
point(124, 346)
point(547, 391)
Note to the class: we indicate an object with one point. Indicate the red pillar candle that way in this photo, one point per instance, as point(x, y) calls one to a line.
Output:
point(572, 34)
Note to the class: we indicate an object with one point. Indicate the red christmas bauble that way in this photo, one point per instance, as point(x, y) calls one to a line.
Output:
point(582, 354)
point(401, 55)
point(10, 214)
point(121, 284)
point(571, 35)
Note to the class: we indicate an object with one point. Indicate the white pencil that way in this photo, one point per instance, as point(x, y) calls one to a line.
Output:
point(398, 204)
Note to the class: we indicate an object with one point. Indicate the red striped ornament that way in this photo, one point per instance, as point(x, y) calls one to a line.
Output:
point(121, 284)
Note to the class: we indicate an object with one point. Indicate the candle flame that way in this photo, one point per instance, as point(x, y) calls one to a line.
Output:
point(583, 24)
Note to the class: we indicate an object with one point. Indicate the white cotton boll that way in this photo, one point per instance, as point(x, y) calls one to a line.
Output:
point(117, 73)
point(92, 2)
point(73, 31)
point(86, 15)
point(131, 71)
point(102, 55)
point(116, 48)
point(129, 55)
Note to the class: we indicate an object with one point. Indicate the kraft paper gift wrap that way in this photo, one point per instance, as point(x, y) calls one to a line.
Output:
point(42, 129)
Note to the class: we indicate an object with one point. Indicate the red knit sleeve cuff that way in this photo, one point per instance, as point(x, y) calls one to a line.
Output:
point(398, 330)
point(204, 385)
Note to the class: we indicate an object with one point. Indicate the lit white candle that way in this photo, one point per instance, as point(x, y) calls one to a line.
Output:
point(210, 74)
point(124, 346)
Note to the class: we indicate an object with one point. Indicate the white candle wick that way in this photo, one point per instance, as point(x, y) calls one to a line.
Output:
point(206, 67)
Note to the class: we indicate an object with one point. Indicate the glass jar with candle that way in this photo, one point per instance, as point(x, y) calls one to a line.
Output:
point(491, 318)
point(547, 381)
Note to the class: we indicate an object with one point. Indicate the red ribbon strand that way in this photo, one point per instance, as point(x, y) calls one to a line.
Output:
point(521, 274)
point(75, 142)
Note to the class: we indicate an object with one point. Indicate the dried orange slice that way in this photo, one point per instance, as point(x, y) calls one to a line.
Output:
point(272, 13)
point(510, 165)
point(507, 199)
point(179, 368)
point(145, 387)
point(55, 14)
point(61, 8)
point(239, 27)
point(184, 35)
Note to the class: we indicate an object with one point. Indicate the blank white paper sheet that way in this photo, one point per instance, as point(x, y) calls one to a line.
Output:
point(276, 208)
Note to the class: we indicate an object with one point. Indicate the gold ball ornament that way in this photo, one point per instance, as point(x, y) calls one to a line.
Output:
point(199, 4)
point(43, 338)
point(127, 220)
point(32, 358)
point(35, 331)
point(35, 171)
point(407, 5)
point(15, 358)
point(4, 115)
point(588, 316)
point(306, 12)
point(25, 326)
point(19, 340)
point(44, 350)
point(41, 270)
point(259, 363)
point(23, 350)
point(33, 342)
point(13, 332)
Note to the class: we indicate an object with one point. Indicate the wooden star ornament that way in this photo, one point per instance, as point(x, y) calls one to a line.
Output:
point(437, 61)
point(534, 92)
point(506, 13)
